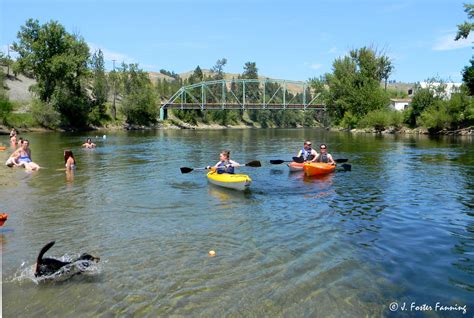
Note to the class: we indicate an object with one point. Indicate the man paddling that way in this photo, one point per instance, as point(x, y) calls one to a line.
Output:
point(307, 151)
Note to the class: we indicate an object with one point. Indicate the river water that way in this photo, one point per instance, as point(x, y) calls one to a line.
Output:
point(397, 228)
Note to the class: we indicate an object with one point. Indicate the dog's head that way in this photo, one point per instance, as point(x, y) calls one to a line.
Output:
point(88, 257)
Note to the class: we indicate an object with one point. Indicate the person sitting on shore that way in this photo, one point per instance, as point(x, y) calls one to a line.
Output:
point(13, 132)
point(225, 165)
point(308, 153)
point(89, 144)
point(69, 160)
point(324, 156)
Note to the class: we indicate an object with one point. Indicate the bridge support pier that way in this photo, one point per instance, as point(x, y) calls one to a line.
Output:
point(163, 113)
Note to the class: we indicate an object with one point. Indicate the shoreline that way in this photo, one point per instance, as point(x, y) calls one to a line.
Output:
point(468, 131)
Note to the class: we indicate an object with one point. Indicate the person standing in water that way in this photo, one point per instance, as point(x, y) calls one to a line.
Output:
point(69, 160)
point(89, 144)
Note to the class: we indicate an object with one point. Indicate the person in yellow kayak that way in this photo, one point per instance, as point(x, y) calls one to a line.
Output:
point(225, 165)
point(324, 156)
point(307, 151)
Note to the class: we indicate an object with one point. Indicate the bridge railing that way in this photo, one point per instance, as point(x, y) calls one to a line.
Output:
point(245, 94)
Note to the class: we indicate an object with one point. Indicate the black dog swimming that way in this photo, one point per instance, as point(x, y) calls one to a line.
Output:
point(50, 266)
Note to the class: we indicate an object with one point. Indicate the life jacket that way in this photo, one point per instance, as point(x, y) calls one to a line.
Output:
point(223, 169)
point(305, 153)
point(322, 158)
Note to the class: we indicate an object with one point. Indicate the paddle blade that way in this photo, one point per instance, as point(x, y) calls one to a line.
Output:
point(186, 169)
point(298, 159)
point(346, 167)
point(276, 162)
point(341, 160)
point(254, 163)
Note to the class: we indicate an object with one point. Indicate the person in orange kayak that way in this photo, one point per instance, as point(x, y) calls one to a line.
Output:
point(307, 151)
point(324, 156)
point(225, 165)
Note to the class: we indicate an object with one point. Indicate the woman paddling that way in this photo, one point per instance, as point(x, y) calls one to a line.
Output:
point(225, 165)
point(324, 156)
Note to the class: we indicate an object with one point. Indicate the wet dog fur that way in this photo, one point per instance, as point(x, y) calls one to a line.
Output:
point(48, 266)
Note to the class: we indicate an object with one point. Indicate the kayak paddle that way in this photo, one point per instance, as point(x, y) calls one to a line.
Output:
point(346, 167)
point(254, 163)
point(295, 159)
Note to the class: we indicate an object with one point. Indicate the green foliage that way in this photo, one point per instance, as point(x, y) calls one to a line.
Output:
point(354, 85)
point(349, 121)
point(468, 77)
point(45, 115)
point(139, 98)
point(436, 117)
point(20, 120)
point(423, 99)
point(58, 61)
point(197, 76)
point(381, 119)
point(218, 69)
point(449, 114)
point(5, 105)
point(393, 93)
point(466, 28)
point(99, 90)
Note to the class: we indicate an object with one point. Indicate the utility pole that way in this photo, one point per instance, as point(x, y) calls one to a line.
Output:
point(114, 111)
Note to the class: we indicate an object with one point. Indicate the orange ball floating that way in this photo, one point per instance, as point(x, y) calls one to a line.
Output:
point(3, 218)
point(212, 253)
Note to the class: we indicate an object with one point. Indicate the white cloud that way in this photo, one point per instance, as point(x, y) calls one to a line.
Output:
point(446, 42)
point(315, 66)
point(110, 55)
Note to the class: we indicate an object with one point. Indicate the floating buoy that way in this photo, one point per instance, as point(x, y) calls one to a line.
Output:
point(3, 218)
point(212, 253)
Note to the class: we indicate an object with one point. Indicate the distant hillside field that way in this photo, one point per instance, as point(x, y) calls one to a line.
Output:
point(18, 88)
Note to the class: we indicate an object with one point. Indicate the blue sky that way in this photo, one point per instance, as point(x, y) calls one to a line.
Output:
point(293, 40)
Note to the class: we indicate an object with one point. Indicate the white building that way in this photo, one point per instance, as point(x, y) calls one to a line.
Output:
point(450, 88)
point(400, 103)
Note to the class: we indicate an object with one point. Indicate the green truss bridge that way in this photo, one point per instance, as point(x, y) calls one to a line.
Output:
point(243, 94)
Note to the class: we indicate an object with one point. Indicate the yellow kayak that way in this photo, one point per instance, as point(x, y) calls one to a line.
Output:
point(232, 181)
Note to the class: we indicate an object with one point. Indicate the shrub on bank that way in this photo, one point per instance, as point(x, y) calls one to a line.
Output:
point(45, 115)
point(382, 119)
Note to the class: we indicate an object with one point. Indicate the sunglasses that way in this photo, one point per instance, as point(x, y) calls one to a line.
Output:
point(307, 144)
point(322, 147)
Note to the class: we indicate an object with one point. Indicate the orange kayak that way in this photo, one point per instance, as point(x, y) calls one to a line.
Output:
point(3, 148)
point(317, 168)
point(295, 166)
point(3, 218)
